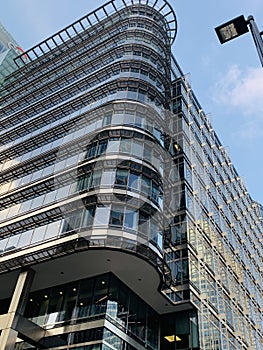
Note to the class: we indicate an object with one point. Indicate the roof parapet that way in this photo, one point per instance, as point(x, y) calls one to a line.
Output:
point(92, 19)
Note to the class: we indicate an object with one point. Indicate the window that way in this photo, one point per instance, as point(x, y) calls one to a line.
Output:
point(145, 185)
point(147, 154)
point(139, 121)
point(117, 119)
point(134, 181)
point(108, 177)
point(137, 149)
point(102, 147)
point(116, 216)
point(72, 222)
point(88, 216)
point(125, 146)
point(143, 222)
point(113, 146)
point(25, 239)
point(154, 232)
point(106, 119)
point(52, 229)
point(91, 151)
point(83, 182)
point(155, 192)
point(96, 177)
point(121, 177)
point(131, 219)
point(39, 233)
point(102, 216)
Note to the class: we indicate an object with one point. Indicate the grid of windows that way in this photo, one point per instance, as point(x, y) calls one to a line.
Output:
point(220, 233)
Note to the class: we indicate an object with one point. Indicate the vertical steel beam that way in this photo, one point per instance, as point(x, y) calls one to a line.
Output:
point(17, 306)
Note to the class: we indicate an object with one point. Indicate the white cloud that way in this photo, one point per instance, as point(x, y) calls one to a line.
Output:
point(242, 90)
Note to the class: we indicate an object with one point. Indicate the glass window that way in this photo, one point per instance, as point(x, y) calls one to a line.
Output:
point(38, 234)
point(85, 306)
point(157, 133)
point(117, 119)
point(14, 209)
point(116, 216)
point(125, 146)
point(12, 242)
point(128, 119)
point(72, 222)
point(69, 301)
point(72, 160)
point(50, 197)
point(53, 229)
point(102, 147)
point(102, 216)
point(137, 149)
point(153, 231)
point(137, 317)
point(134, 181)
point(146, 185)
point(108, 177)
point(36, 174)
point(160, 239)
point(25, 206)
point(62, 192)
point(152, 329)
point(91, 151)
point(143, 222)
point(60, 165)
point(106, 119)
point(37, 201)
point(155, 192)
point(96, 177)
point(113, 145)
point(131, 219)
point(25, 239)
point(79, 133)
point(88, 216)
point(3, 244)
point(83, 182)
point(121, 177)
point(139, 121)
point(54, 307)
point(48, 170)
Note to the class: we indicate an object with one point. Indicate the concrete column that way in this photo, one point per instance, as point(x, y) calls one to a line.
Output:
point(17, 306)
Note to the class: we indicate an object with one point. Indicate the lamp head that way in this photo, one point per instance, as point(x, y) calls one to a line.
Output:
point(232, 29)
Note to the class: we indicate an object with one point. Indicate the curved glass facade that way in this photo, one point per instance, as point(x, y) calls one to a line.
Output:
point(102, 297)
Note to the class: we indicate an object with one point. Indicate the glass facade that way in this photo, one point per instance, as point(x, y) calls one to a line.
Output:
point(123, 223)
point(102, 297)
point(9, 50)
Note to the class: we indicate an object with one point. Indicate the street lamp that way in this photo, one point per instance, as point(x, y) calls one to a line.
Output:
point(239, 26)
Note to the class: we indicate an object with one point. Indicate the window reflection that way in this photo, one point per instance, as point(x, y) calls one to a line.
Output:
point(101, 296)
point(121, 177)
point(129, 145)
point(131, 219)
point(124, 217)
point(102, 216)
point(116, 216)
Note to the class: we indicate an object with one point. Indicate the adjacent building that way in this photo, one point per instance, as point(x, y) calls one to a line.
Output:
point(123, 222)
point(9, 50)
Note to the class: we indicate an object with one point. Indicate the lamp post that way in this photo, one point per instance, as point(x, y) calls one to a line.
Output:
point(239, 26)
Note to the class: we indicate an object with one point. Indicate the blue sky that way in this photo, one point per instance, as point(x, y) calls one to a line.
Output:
point(227, 79)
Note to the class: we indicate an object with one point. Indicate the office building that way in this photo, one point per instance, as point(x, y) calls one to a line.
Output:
point(124, 224)
point(9, 50)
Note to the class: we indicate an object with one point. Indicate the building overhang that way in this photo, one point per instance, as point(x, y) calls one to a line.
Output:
point(74, 259)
